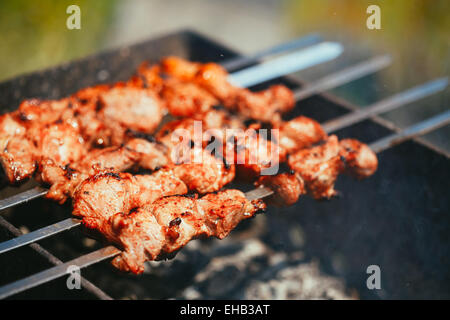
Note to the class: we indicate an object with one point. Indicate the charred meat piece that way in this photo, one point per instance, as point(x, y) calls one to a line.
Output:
point(299, 133)
point(61, 143)
point(226, 138)
point(264, 106)
point(360, 161)
point(319, 167)
point(129, 108)
point(148, 76)
point(186, 99)
point(203, 172)
point(16, 151)
point(102, 195)
point(64, 180)
point(24, 144)
point(254, 155)
point(17, 158)
point(150, 155)
point(169, 223)
point(287, 188)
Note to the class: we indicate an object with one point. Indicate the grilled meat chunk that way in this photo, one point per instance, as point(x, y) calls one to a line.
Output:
point(64, 180)
point(360, 161)
point(287, 188)
point(129, 108)
point(169, 223)
point(299, 133)
point(264, 106)
point(319, 167)
point(61, 143)
point(210, 175)
point(102, 195)
point(17, 158)
point(186, 99)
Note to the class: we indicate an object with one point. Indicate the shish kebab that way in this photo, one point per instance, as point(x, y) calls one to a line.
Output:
point(100, 115)
point(158, 221)
point(126, 154)
point(123, 202)
point(110, 202)
point(328, 82)
point(47, 112)
point(397, 100)
point(294, 135)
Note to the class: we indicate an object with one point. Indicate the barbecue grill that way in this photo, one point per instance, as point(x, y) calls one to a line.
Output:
point(396, 219)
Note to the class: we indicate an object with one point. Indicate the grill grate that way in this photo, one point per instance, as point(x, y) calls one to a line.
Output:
point(328, 82)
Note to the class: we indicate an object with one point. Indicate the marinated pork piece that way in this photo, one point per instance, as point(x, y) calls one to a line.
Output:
point(250, 152)
point(360, 161)
point(319, 167)
point(169, 223)
point(264, 106)
point(287, 188)
point(299, 133)
point(184, 133)
point(104, 194)
point(211, 175)
point(186, 99)
point(24, 144)
point(16, 151)
point(150, 155)
point(127, 108)
point(64, 180)
point(17, 158)
point(150, 77)
point(255, 156)
point(61, 143)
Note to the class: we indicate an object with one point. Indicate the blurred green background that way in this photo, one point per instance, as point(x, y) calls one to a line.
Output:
point(34, 34)
point(416, 33)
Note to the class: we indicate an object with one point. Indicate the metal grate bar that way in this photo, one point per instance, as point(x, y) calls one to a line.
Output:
point(54, 260)
point(420, 128)
point(58, 271)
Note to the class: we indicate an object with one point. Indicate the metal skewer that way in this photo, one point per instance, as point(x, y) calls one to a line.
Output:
point(111, 251)
point(420, 128)
point(286, 64)
point(344, 76)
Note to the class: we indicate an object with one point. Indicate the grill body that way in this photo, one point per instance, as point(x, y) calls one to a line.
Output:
point(398, 219)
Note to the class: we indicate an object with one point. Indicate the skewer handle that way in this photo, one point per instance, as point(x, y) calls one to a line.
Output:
point(287, 64)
